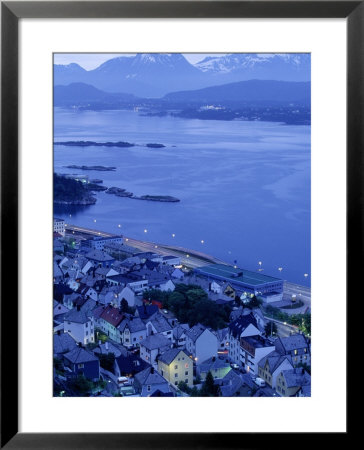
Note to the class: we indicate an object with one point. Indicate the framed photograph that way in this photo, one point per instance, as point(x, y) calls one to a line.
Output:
point(182, 181)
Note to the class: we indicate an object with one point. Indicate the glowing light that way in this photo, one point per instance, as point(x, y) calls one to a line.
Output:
point(119, 225)
point(202, 241)
point(305, 275)
point(173, 235)
point(145, 231)
point(280, 269)
point(187, 256)
point(95, 220)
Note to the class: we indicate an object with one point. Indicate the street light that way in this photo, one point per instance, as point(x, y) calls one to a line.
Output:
point(145, 231)
point(202, 241)
point(173, 235)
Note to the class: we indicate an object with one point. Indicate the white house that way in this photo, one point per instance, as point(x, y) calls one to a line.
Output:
point(252, 350)
point(158, 324)
point(245, 325)
point(152, 346)
point(201, 343)
point(132, 331)
point(78, 325)
point(271, 365)
point(59, 226)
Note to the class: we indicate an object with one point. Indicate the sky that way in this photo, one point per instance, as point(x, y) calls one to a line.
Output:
point(90, 61)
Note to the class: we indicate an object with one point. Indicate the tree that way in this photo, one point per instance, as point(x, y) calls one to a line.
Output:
point(81, 385)
point(254, 302)
point(107, 361)
point(124, 306)
point(209, 389)
point(270, 328)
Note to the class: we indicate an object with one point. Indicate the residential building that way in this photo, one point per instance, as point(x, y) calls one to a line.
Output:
point(132, 331)
point(271, 365)
point(179, 335)
point(297, 346)
point(235, 385)
point(109, 320)
point(100, 258)
point(252, 350)
point(218, 368)
point(290, 383)
point(149, 381)
point(63, 343)
point(152, 346)
point(244, 325)
point(158, 324)
point(99, 242)
point(83, 362)
point(175, 366)
point(59, 226)
point(79, 325)
point(201, 343)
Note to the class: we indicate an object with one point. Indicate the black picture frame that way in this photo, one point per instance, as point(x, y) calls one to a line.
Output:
point(11, 12)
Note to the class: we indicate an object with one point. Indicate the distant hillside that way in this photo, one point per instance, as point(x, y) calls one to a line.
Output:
point(81, 93)
point(246, 92)
point(152, 75)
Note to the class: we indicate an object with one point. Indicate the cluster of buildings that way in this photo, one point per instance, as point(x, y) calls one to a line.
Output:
point(100, 312)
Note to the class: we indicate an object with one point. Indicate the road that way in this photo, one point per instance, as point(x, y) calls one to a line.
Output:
point(302, 293)
point(189, 258)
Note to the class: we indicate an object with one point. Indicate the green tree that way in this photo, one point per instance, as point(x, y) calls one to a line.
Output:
point(81, 385)
point(107, 361)
point(209, 389)
point(254, 303)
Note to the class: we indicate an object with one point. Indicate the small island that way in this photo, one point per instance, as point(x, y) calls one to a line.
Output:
point(99, 168)
point(158, 198)
point(119, 192)
point(94, 144)
point(155, 145)
point(67, 191)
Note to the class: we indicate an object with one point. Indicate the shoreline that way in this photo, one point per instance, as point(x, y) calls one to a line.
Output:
point(194, 255)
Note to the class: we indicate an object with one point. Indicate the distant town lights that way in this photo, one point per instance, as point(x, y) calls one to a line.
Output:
point(280, 269)
point(202, 241)
point(145, 230)
point(173, 235)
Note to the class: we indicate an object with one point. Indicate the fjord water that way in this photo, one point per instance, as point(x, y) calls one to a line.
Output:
point(244, 186)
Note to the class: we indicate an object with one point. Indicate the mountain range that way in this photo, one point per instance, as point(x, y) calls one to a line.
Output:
point(153, 75)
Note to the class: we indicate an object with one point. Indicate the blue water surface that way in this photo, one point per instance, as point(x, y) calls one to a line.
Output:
point(244, 186)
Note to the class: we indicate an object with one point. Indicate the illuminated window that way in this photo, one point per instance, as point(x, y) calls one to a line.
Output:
point(295, 352)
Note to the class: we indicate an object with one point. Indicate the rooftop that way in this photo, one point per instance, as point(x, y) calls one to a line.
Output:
point(237, 275)
point(155, 341)
point(170, 355)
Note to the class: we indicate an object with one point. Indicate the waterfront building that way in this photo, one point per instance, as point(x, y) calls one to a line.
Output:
point(99, 242)
point(59, 226)
point(245, 281)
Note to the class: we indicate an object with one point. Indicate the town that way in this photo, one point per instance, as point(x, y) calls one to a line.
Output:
point(141, 320)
